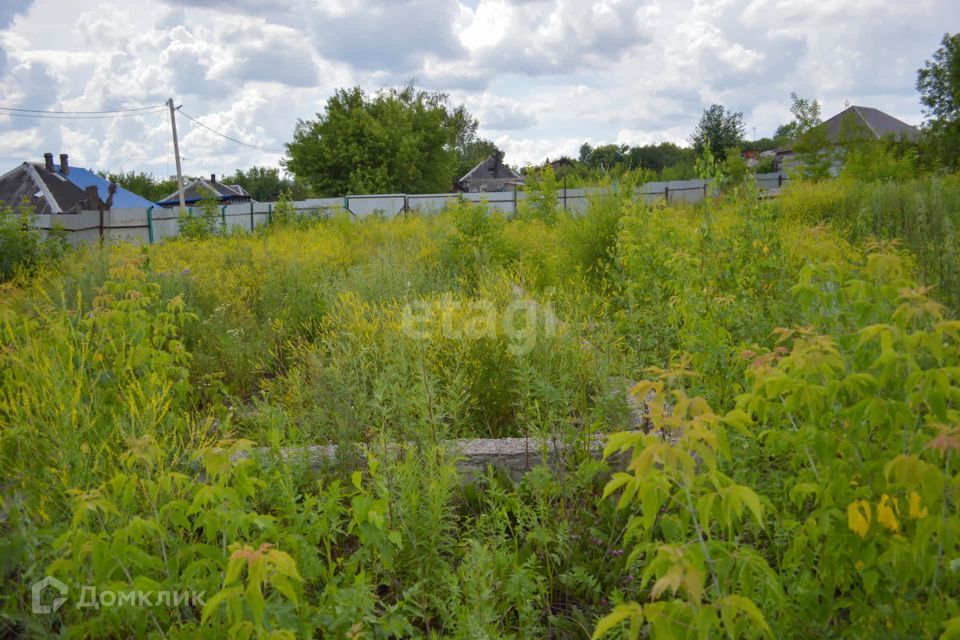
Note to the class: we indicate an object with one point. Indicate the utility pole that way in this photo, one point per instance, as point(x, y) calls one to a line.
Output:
point(176, 153)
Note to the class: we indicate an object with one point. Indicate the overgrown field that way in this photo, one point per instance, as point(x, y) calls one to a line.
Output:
point(797, 476)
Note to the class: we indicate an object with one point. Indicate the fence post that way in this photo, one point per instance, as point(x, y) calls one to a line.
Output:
point(251, 216)
point(779, 180)
point(666, 194)
point(150, 224)
point(704, 189)
point(270, 213)
point(564, 193)
point(514, 200)
point(223, 218)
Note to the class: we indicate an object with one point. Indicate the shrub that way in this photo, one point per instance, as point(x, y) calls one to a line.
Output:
point(541, 203)
point(22, 245)
point(205, 225)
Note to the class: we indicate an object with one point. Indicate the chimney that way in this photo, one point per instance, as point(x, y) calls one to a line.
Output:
point(213, 177)
point(64, 166)
point(48, 160)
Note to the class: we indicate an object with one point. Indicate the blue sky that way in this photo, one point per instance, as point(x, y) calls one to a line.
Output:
point(542, 76)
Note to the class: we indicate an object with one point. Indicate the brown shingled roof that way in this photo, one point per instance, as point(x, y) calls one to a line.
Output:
point(45, 191)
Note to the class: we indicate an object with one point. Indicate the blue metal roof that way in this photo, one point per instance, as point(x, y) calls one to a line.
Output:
point(122, 199)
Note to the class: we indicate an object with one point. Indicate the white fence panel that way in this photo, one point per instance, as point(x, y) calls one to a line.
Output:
point(502, 201)
point(135, 225)
point(166, 224)
point(363, 206)
point(431, 202)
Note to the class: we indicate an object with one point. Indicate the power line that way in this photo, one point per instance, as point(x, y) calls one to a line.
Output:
point(223, 135)
point(50, 116)
point(42, 114)
point(159, 106)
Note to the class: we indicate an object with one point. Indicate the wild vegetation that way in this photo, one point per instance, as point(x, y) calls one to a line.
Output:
point(797, 475)
point(22, 246)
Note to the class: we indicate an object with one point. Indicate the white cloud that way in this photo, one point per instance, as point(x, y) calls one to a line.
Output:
point(523, 151)
point(542, 76)
point(500, 114)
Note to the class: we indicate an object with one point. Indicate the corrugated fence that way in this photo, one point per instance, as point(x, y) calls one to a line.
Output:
point(154, 224)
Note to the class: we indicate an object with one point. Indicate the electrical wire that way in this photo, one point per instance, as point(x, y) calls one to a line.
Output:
point(46, 116)
point(149, 130)
point(223, 135)
point(17, 112)
point(108, 111)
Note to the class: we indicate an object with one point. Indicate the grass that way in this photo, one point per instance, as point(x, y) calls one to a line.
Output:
point(131, 379)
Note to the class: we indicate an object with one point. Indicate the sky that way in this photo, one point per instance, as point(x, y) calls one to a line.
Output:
point(541, 76)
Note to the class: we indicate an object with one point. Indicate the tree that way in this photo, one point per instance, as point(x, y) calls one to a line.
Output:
point(397, 140)
point(939, 85)
point(607, 157)
point(809, 139)
point(585, 151)
point(471, 150)
point(657, 157)
point(669, 161)
point(816, 152)
point(265, 184)
point(806, 116)
point(143, 184)
point(718, 130)
point(472, 153)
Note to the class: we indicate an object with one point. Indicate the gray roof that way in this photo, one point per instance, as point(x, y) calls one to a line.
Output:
point(491, 168)
point(875, 122)
point(200, 188)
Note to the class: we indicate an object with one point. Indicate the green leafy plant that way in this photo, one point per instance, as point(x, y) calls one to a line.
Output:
point(208, 223)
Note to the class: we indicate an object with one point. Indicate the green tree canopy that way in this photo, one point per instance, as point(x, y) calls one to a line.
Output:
point(718, 130)
point(264, 184)
point(616, 158)
point(810, 139)
point(939, 85)
point(806, 116)
point(141, 183)
point(397, 140)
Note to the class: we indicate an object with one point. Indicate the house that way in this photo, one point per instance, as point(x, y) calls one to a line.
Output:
point(869, 122)
point(52, 188)
point(560, 164)
point(489, 175)
point(203, 189)
point(751, 157)
point(855, 122)
point(561, 167)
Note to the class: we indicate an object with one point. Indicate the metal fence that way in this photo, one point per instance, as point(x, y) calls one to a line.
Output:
point(153, 224)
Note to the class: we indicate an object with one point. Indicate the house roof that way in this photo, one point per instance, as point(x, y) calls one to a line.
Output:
point(58, 192)
point(200, 188)
point(122, 199)
point(876, 123)
point(491, 168)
